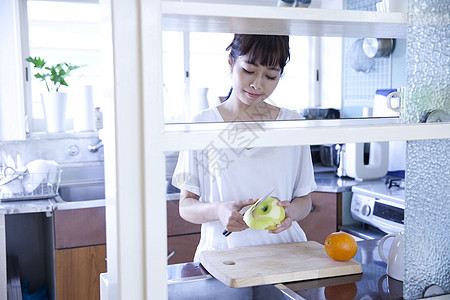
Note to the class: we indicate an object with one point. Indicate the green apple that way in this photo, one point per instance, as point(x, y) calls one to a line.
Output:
point(266, 216)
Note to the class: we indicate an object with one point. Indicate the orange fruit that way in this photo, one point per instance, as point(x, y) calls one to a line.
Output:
point(340, 246)
point(346, 291)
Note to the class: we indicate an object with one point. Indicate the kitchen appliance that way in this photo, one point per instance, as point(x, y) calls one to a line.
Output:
point(397, 149)
point(380, 204)
point(276, 263)
point(329, 155)
point(395, 5)
point(355, 165)
point(318, 151)
point(320, 113)
point(394, 260)
point(362, 161)
point(390, 288)
point(380, 106)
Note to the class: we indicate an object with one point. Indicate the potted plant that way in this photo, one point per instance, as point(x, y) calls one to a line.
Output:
point(53, 101)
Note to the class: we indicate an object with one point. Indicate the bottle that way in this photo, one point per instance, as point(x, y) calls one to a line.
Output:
point(98, 118)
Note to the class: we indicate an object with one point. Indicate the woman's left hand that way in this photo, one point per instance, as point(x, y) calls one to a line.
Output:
point(287, 222)
point(295, 210)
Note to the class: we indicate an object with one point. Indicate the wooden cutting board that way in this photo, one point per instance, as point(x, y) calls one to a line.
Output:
point(268, 264)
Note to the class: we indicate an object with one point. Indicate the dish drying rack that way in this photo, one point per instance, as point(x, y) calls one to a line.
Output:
point(29, 186)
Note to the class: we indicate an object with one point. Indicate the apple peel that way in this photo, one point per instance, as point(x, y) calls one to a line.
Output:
point(266, 216)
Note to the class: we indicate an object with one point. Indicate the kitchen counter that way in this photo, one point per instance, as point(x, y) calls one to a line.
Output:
point(325, 178)
point(328, 182)
point(373, 283)
point(45, 205)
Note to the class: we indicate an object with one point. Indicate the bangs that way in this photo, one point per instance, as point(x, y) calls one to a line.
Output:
point(268, 53)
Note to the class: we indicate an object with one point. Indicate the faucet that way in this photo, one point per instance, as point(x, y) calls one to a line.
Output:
point(94, 147)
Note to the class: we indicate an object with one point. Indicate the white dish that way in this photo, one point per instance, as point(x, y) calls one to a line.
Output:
point(39, 171)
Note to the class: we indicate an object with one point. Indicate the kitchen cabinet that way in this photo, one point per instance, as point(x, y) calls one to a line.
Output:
point(138, 130)
point(28, 237)
point(79, 227)
point(265, 18)
point(64, 249)
point(77, 272)
point(325, 216)
point(182, 236)
point(182, 247)
point(80, 252)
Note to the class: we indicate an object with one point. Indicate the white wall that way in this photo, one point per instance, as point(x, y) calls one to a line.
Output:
point(331, 65)
point(12, 111)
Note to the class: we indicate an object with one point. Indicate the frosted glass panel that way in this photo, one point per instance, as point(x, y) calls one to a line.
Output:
point(427, 213)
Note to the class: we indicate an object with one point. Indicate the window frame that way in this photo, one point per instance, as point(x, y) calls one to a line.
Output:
point(36, 126)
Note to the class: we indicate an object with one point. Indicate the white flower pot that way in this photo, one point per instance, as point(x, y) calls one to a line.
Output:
point(54, 104)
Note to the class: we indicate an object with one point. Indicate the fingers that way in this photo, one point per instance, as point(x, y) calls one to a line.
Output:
point(236, 222)
point(246, 202)
point(284, 203)
point(285, 224)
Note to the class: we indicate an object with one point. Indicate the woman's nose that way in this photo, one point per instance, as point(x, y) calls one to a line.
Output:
point(256, 83)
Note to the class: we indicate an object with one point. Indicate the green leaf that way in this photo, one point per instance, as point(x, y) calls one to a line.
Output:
point(56, 74)
point(40, 76)
point(37, 62)
point(63, 82)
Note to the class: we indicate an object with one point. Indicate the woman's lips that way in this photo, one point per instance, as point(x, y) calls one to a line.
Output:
point(251, 95)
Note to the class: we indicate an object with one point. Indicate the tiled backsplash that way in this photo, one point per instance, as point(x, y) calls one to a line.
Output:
point(69, 151)
point(358, 88)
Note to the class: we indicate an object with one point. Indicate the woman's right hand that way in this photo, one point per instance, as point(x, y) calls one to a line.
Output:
point(229, 214)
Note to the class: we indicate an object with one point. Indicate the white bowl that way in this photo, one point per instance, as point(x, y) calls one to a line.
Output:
point(38, 171)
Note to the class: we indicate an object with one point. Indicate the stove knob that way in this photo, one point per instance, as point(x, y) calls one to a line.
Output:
point(365, 210)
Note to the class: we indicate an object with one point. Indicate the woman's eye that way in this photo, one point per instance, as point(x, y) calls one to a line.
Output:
point(271, 78)
point(247, 71)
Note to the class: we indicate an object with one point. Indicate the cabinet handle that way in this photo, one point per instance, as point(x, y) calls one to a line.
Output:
point(312, 208)
point(170, 254)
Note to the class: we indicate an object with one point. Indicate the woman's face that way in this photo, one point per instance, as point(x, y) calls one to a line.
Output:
point(253, 82)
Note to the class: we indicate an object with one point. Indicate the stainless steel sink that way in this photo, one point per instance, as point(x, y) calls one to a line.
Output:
point(211, 288)
point(82, 192)
point(190, 280)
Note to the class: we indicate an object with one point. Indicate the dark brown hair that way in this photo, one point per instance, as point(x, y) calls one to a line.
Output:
point(268, 50)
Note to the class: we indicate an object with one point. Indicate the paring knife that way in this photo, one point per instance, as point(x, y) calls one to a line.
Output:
point(261, 200)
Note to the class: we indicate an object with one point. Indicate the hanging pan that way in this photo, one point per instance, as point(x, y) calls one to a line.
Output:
point(378, 47)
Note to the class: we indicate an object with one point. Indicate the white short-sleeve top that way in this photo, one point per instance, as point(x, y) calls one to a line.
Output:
point(244, 173)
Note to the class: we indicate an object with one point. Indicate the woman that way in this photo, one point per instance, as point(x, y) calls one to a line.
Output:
point(216, 184)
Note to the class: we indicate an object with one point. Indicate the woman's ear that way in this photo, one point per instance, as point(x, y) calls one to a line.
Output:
point(231, 62)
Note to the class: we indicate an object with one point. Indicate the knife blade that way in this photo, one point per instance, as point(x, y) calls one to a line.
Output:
point(261, 200)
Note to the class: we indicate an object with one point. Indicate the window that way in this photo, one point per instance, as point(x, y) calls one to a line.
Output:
point(195, 68)
point(197, 74)
point(64, 32)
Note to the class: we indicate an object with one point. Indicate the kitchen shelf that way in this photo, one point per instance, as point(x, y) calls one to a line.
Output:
point(239, 18)
point(301, 132)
